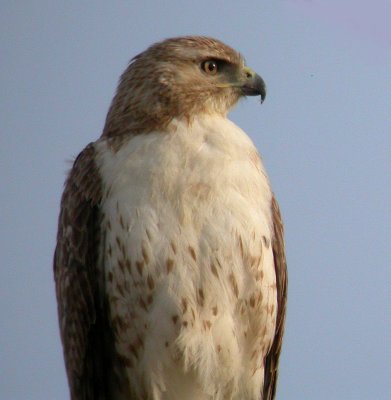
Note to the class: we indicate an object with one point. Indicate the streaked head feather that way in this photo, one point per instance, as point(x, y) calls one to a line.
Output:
point(166, 82)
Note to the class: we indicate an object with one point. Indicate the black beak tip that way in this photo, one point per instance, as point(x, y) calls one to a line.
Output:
point(261, 86)
point(255, 87)
point(263, 96)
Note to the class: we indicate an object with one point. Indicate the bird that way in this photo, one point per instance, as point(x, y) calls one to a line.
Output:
point(169, 265)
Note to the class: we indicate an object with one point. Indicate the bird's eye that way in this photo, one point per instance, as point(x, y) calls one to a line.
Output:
point(210, 67)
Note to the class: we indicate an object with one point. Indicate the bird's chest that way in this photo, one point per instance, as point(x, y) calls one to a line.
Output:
point(188, 261)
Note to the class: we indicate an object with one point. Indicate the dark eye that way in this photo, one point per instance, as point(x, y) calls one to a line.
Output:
point(210, 67)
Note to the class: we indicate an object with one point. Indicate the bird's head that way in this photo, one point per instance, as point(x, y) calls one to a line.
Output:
point(180, 78)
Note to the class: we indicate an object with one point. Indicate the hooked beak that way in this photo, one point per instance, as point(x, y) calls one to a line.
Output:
point(253, 84)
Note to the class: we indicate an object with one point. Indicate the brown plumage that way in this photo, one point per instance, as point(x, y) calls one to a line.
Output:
point(151, 92)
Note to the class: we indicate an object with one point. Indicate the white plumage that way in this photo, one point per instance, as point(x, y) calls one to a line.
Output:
point(188, 246)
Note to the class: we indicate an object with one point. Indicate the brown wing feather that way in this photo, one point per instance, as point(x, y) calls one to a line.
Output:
point(271, 362)
point(79, 281)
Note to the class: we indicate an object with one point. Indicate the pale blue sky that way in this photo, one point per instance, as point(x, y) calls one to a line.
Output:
point(324, 132)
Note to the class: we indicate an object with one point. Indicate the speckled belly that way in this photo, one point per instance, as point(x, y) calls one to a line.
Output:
point(192, 306)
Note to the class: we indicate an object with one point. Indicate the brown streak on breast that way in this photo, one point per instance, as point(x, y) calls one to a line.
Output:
point(121, 222)
point(214, 270)
point(121, 265)
point(200, 297)
point(169, 265)
point(184, 305)
point(234, 285)
point(266, 241)
point(207, 324)
point(192, 253)
point(150, 282)
point(140, 267)
point(145, 255)
point(142, 304)
point(241, 246)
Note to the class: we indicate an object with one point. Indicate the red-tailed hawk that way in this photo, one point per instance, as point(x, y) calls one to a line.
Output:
point(169, 267)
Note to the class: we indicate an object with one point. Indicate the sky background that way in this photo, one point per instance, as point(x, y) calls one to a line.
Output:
point(324, 132)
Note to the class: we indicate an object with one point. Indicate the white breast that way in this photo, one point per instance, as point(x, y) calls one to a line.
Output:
point(188, 261)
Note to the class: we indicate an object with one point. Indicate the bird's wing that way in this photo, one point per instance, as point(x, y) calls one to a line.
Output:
point(79, 280)
point(271, 362)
